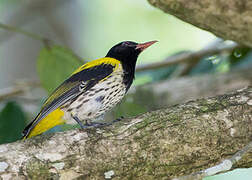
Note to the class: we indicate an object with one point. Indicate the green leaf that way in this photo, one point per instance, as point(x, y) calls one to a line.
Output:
point(55, 64)
point(12, 123)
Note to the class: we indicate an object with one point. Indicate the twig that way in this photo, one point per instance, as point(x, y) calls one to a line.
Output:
point(29, 34)
point(28, 11)
point(47, 42)
point(186, 67)
point(223, 166)
point(181, 58)
point(172, 60)
point(17, 90)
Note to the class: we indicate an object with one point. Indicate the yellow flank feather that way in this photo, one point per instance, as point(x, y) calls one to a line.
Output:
point(56, 117)
point(51, 120)
point(105, 60)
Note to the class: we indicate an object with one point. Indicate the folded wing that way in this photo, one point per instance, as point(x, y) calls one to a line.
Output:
point(78, 83)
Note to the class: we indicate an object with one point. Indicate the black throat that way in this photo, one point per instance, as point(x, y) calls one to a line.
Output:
point(128, 65)
point(127, 53)
point(129, 74)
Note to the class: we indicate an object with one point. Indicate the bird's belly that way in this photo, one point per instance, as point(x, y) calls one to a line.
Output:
point(98, 100)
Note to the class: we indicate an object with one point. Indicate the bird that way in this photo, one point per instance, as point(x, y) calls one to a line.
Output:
point(91, 90)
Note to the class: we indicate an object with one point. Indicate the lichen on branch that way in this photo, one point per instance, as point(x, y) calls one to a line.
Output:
point(169, 142)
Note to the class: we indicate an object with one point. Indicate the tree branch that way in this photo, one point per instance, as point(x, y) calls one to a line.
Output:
point(166, 143)
point(18, 89)
point(223, 166)
point(180, 90)
point(228, 19)
point(190, 56)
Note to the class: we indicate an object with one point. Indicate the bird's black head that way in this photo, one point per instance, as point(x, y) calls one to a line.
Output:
point(127, 52)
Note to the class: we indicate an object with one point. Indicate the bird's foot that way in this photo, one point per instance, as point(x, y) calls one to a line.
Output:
point(95, 124)
point(118, 119)
point(80, 123)
point(99, 124)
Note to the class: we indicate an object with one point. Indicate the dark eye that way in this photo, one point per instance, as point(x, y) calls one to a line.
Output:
point(126, 44)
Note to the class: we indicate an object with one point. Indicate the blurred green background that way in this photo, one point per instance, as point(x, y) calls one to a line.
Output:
point(82, 31)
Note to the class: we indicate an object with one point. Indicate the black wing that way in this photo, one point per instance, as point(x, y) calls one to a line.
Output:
point(70, 89)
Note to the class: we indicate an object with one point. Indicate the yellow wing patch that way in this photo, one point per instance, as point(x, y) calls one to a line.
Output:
point(56, 117)
point(105, 60)
point(51, 120)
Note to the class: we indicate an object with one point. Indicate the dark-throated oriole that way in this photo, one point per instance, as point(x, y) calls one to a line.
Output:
point(91, 91)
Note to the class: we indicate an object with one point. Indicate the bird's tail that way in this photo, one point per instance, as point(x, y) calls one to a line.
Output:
point(37, 126)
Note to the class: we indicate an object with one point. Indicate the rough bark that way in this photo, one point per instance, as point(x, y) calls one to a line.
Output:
point(165, 143)
point(180, 90)
point(229, 19)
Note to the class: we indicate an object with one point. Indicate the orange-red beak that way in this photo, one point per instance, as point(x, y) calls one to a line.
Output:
point(145, 45)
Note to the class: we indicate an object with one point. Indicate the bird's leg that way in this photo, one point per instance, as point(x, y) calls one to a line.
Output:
point(88, 123)
point(100, 124)
point(95, 124)
point(118, 119)
point(79, 122)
